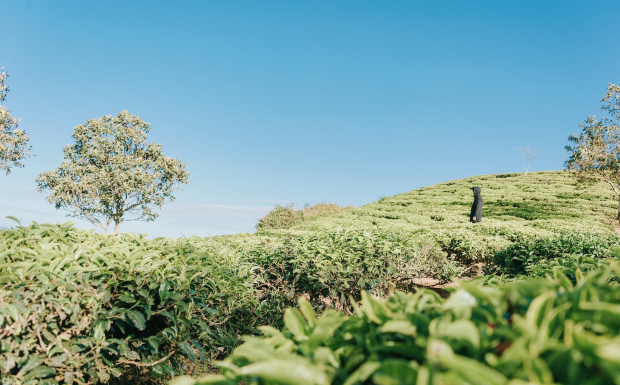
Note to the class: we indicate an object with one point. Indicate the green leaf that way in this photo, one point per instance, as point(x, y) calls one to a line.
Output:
point(307, 311)
point(201, 352)
point(14, 219)
point(40, 372)
point(12, 311)
point(286, 372)
point(136, 319)
point(7, 363)
point(362, 373)
point(295, 323)
point(460, 330)
point(164, 292)
point(399, 326)
point(186, 349)
point(472, 371)
point(58, 360)
point(32, 363)
point(395, 372)
point(374, 310)
point(127, 298)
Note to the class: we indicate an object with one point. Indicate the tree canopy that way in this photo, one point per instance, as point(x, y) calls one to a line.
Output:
point(111, 174)
point(14, 145)
point(595, 152)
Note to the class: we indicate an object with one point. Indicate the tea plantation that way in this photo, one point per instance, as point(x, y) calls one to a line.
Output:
point(79, 307)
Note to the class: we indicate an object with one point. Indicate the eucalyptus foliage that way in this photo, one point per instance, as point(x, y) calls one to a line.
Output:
point(545, 331)
point(111, 171)
point(595, 152)
point(14, 145)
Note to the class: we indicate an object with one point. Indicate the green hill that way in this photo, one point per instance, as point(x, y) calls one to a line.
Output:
point(515, 207)
point(87, 307)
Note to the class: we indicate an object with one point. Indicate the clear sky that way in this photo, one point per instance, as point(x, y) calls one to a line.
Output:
point(305, 101)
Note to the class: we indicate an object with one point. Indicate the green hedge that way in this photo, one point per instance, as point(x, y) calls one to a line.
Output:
point(329, 268)
point(79, 307)
point(518, 257)
point(544, 331)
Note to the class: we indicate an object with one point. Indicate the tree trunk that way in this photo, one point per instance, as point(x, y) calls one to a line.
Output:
point(118, 224)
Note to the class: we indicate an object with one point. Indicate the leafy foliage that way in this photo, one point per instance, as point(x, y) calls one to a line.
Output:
point(323, 209)
point(81, 307)
point(545, 331)
point(329, 268)
point(115, 303)
point(281, 217)
point(285, 217)
point(516, 207)
point(111, 171)
point(78, 307)
point(595, 152)
point(517, 258)
point(14, 145)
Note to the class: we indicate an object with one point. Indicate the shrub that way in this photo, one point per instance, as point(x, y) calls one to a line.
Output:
point(323, 209)
point(544, 331)
point(330, 267)
point(281, 217)
point(515, 259)
point(570, 266)
point(78, 307)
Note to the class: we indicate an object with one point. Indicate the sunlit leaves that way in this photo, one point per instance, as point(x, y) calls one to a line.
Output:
point(595, 152)
point(14, 145)
point(84, 307)
point(531, 332)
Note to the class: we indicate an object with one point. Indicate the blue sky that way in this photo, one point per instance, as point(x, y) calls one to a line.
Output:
point(307, 101)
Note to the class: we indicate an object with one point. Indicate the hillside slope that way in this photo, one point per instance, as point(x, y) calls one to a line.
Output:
point(515, 206)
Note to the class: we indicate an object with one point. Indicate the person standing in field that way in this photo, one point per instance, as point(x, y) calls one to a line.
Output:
point(476, 208)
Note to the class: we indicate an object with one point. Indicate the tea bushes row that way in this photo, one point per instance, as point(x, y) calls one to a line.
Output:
point(79, 307)
point(329, 268)
point(516, 258)
point(545, 331)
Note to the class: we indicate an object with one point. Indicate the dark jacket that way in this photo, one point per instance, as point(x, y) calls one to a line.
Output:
point(476, 207)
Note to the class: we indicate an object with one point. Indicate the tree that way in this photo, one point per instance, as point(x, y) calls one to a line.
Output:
point(14, 145)
point(530, 155)
point(111, 171)
point(595, 152)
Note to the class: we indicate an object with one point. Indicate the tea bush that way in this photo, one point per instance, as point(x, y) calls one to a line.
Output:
point(323, 209)
point(571, 266)
point(77, 307)
point(517, 258)
point(329, 268)
point(516, 207)
point(281, 217)
point(544, 331)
